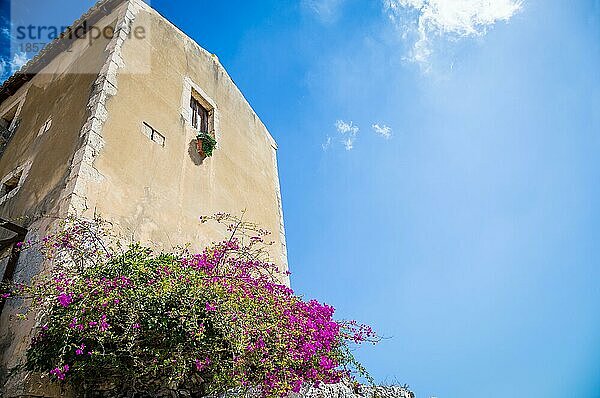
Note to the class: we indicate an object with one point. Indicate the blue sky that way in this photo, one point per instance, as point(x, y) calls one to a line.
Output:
point(469, 236)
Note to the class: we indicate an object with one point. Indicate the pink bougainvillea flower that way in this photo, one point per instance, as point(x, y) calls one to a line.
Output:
point(103, 324)
point(79, 350)
point(201, 365)
point(326, 363)
point(224, 302)
point(60, 372)
point(64, 299)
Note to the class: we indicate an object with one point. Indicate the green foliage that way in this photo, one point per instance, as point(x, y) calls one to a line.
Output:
point(209, 143)
point(213, 322)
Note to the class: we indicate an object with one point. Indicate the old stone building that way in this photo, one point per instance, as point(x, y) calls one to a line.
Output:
point(105, 123)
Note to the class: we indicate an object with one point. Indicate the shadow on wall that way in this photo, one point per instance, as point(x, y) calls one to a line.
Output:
point(194, 155)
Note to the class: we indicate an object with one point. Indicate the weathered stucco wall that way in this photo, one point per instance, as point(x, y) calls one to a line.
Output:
point(58, 93)
point(156, 193)
point(94, 158)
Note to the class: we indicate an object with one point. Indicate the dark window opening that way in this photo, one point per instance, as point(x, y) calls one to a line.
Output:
point(200, 116)
point(8, 126)
point(10, 244)
point(11, 184)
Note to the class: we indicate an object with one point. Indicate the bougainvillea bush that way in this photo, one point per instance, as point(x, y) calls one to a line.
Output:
point(212, 322)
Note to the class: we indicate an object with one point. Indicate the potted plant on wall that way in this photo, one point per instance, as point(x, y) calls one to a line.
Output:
point(205, 143)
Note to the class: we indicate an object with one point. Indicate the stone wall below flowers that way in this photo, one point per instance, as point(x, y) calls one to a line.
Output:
point(339, 390)
point(343, 390)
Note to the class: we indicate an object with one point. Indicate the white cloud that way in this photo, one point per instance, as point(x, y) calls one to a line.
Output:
point(19, 59)
point(346, 128)
point(326, 10)
point(326, 144)
point(9, 67)
point(4, 69)
point(348, 144)
point(384, 131)
point(348, 131)
point(453, 19)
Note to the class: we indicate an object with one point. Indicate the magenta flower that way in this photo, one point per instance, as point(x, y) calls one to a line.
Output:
point(73, 324)
point(65, 299)
point(326, 363)
point(277, 341)
point(79, 350)
point(200, 365)
point(103, 324)
point(60, 372)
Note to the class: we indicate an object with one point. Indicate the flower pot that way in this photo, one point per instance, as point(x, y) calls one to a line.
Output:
point(205, 144)
point(200, 148)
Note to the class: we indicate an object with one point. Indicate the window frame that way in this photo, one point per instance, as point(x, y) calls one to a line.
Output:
point(11, 129)
point(200, 116)
point(21, 171)
point(191, 91)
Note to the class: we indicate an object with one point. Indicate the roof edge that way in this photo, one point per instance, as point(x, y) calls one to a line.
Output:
point(93, 15)
point(55, 47)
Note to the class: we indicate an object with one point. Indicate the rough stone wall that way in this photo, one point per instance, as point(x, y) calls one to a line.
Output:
point(339, 390)
point(343, 390)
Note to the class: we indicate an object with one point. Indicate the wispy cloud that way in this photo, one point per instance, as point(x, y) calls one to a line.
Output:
point(326, 144)
point(4, 69)
point(10, 66)
point(325, 10)
point(425, 20)
point(348, 131)
point(19, 59)
point(383, 130)
point(6, 27)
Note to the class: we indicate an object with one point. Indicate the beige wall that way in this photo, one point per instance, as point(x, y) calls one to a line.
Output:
point(157, 193)
point(95, 159)
point(60, 93)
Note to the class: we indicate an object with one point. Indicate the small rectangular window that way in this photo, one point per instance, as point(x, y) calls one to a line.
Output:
point(154, 135)
point(8, 127)
point(11, 183)
point(200, 116)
